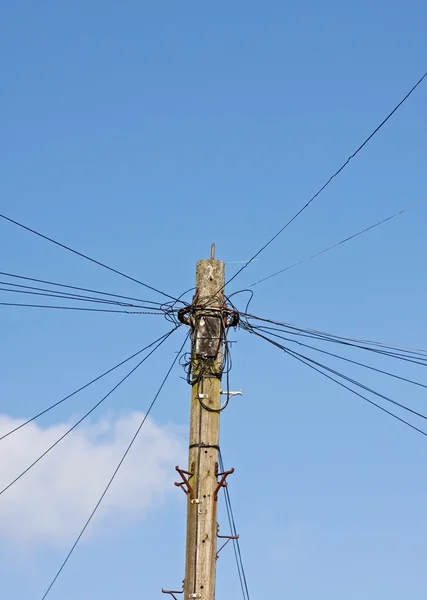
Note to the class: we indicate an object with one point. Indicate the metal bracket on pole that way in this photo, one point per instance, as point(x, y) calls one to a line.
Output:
point(222, 482)
point(227, 538)
point(185, 485)
point(173, 592)
point(231, 394)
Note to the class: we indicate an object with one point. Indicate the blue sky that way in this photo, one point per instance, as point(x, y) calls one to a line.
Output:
point(140, 132)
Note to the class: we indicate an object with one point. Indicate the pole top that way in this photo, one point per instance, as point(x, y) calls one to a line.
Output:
point(213, 252)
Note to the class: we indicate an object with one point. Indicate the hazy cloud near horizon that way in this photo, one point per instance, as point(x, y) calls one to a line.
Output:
point(53, 500)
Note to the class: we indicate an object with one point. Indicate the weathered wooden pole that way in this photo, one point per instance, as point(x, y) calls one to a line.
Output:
point(208, 318)
point(207, 336)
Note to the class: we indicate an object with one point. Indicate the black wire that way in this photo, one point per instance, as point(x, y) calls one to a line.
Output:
point(329, 180)
point(73, 287)
point(396, 354)
point(358, 384)
point(97, 262)
point(208, 366)
point(116, 470)
point(172, 304)
point(105, 310)
point(236, 544)
point(408, 354)
point(236, 555)
point(170, 307)
point(313, 334)
point(65, 296)
point(58, 294)
point(229, 365)
point(307, 362)
point(419, 354)
point(162, 340)
point(242, 292)
point(394, 347)
point(406, 358)
point(43, 412)
point(347, 239)
point(355, 362)
point(361, 396)
point(349, 379)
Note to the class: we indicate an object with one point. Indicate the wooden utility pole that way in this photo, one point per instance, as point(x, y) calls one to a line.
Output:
point(207, 317)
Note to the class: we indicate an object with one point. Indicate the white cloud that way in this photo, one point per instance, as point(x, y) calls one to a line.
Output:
point(53, 500)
